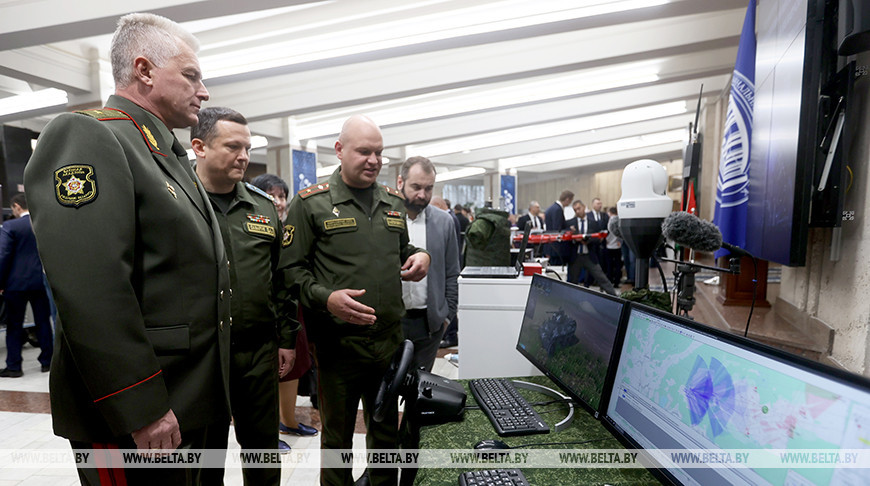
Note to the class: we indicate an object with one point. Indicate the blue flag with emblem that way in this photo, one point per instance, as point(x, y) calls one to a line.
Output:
point(732, 186)
point(509, 193)
point(304, 169)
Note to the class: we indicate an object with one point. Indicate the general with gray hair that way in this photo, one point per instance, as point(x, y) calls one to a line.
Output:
point(133, 253)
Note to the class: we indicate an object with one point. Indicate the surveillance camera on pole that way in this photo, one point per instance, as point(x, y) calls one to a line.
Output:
point(642, 208)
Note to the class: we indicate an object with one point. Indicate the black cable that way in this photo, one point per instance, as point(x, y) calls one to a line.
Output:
point(534, 404)
point(754, 293)
point(661, 273)
point(550, 402)
point(564, 443)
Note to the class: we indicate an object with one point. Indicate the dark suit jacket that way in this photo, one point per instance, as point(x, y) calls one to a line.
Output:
point(554, 218)
point(458, 226)
point(590, 243)
point(443, 286)
point(521, 223)
point(134, 256)
point(20, 267)
point(595, 245)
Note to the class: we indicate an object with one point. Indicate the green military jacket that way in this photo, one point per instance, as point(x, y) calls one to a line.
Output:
point(254, 240)
point(132, 251)
point(488, 239)
point(334, 245)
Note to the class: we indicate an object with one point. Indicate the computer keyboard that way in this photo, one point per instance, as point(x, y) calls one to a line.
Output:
point(509, 412)
point(494, 477)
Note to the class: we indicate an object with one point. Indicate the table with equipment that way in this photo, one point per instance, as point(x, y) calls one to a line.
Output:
point(474, 427)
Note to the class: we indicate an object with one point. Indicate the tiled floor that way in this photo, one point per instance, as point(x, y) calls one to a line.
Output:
point(25, 423)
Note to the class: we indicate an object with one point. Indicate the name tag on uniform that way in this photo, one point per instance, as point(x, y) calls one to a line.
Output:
point(260, 229)
point(394, 219)
point(331, 224)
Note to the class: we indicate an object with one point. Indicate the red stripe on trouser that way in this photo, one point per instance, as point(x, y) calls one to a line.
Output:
point(109, 476)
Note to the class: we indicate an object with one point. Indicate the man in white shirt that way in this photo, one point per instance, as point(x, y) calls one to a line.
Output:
point(583, 257)
point(431, 303)
point(534, 215)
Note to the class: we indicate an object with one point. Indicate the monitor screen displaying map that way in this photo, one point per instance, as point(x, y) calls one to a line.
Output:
point(568, 332)
point(720, 409)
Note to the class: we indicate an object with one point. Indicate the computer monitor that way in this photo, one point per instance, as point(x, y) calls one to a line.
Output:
point(683, 386)
point(568, 332)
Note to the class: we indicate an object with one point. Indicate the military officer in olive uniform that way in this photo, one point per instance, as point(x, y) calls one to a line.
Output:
point(133, 253)
point(261, 308)
point(349, 252)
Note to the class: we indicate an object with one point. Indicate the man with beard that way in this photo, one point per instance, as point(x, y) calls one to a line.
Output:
point(431, 303)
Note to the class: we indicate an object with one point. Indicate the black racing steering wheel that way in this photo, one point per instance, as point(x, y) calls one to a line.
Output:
point(393, 378)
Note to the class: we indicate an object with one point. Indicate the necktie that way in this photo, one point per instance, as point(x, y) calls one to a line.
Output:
point(582, 248)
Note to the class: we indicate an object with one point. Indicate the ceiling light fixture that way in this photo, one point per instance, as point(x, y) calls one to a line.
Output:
point(35, 100)
point(610, 146)
point(465, 100)
point(445, 24)
point(259, 141)
point(546, 130)
point(459, 174)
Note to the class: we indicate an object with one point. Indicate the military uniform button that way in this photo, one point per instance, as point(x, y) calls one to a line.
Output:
point(222, 295)
point(231, 293)
point(221, 325)
point(231, 321)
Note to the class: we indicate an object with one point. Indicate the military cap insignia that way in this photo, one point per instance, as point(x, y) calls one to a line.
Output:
point(312, 190)
point(75, 185)
point(288, 235)
point(150, 136)
point(335, 211)
point(171, 190)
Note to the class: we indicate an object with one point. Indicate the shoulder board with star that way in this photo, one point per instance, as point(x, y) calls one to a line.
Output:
point(259, 191)
point(393, 192)
point(104, 114)
point(312, 190)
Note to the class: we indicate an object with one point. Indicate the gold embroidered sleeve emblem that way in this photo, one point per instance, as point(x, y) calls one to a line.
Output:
point(75, 185)
point(288, 235)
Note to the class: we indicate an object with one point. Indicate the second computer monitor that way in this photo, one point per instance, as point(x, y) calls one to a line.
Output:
point(724, 410)
point(568, 332)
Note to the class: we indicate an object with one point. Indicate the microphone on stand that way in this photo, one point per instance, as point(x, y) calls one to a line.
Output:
point(692, 232)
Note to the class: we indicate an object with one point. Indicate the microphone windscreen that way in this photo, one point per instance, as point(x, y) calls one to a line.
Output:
point(613, 227)
point(692, 232)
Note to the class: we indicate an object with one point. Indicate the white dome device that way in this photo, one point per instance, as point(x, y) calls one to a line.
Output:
point(642, 208)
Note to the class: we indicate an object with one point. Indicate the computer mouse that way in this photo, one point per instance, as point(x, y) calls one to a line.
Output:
point(490, 444)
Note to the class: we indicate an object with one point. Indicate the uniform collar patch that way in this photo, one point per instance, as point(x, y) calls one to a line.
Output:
point(150, 136)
